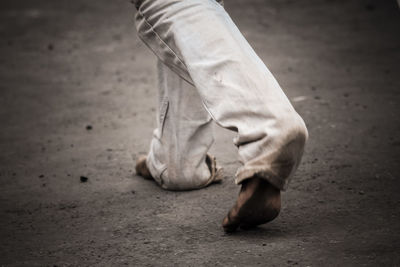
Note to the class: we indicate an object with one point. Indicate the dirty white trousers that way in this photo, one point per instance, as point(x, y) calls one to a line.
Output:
point(208, 71)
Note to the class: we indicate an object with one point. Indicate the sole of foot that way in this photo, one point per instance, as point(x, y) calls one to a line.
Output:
point(259, 202)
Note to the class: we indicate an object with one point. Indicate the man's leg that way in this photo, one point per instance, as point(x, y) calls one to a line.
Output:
point(198, 40)
point(178, 158)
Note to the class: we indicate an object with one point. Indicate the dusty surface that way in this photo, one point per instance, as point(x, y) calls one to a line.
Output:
point(67, 65)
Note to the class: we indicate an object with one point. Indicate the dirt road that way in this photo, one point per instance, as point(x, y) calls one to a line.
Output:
point(78, 98)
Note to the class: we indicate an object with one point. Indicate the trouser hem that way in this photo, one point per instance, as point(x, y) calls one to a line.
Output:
point(153, 170)
point(216, 175)
point(263, 173)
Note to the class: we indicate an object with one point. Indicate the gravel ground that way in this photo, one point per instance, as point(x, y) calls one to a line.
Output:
point(78, 104)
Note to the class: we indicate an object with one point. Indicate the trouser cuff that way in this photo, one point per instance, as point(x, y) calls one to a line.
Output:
point(247, 173)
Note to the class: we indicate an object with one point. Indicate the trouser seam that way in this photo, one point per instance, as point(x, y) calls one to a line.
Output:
point(163, 115)
point(162, 41)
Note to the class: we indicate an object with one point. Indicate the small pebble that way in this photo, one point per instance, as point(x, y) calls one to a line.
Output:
point(84, 179)
point(89, 127)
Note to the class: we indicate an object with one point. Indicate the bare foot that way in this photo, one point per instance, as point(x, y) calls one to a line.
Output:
point(258, 202)
point(141, 168)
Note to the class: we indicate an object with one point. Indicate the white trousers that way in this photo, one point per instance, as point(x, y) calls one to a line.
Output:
point(209, 71)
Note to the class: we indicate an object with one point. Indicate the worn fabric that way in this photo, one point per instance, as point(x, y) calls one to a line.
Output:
point(198, 41)
point(178, 158)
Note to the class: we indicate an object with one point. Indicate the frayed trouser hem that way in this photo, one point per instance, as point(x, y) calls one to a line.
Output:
point(216, 176)
point(263, 173)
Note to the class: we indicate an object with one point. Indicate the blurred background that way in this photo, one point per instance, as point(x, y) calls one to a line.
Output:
point(78, 105)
